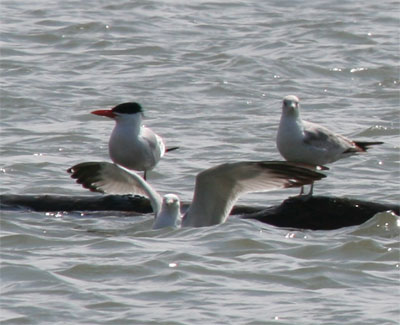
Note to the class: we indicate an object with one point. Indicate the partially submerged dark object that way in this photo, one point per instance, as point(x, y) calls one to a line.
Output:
point(321, 212)
point(47, 203)
point(315, 212)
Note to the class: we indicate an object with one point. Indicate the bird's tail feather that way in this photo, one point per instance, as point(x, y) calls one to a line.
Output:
point(171, 149)
point(364, 145)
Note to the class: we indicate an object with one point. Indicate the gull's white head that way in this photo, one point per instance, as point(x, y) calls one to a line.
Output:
point(171, 201)
point(170, 215)
point(290, 105)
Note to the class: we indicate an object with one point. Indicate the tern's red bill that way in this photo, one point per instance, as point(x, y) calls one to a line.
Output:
point(104, 112)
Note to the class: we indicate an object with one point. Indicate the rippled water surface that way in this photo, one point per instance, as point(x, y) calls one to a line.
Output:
point(211, 77)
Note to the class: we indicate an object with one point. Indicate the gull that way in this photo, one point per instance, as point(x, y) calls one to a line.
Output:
point(131, 144)
point(215, 193)
point(310, 143)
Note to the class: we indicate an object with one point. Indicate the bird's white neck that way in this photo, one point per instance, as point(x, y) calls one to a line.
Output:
point(291, 119)
point(169, 216)
point(129, 124)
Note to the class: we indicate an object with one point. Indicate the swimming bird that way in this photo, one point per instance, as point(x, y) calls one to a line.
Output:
point(310, 143)
point(132, 145)
point(216, 189)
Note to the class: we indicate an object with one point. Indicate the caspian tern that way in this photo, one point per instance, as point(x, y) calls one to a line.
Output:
point(216, 190)
point(310, 143)
point(132, 145)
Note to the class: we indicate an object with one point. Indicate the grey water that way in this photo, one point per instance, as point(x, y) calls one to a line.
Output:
point(211, 76)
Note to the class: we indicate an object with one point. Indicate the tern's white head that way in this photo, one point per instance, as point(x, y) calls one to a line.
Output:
point(126, 113)
point(290, 105)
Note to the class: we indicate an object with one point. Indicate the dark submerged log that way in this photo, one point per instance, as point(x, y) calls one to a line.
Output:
point(315, 212)
point(321, 212)
point(48, 203)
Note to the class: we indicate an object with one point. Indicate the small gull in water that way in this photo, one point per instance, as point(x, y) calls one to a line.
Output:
point(310, 143)
point(131, 144)
point(216, 189)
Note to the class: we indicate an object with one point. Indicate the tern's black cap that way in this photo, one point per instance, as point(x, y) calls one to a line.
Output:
point(128, 108)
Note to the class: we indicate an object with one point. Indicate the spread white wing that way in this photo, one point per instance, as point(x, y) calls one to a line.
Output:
point(218, 188)
point(110, 178)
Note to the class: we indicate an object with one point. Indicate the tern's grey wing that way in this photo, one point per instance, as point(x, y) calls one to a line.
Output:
point(109, 178)
point(218, 188)
point(154, 142)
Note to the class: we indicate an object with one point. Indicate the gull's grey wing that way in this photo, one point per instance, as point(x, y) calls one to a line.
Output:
point(105, 177)
point(323, 138)
point(218, 188)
